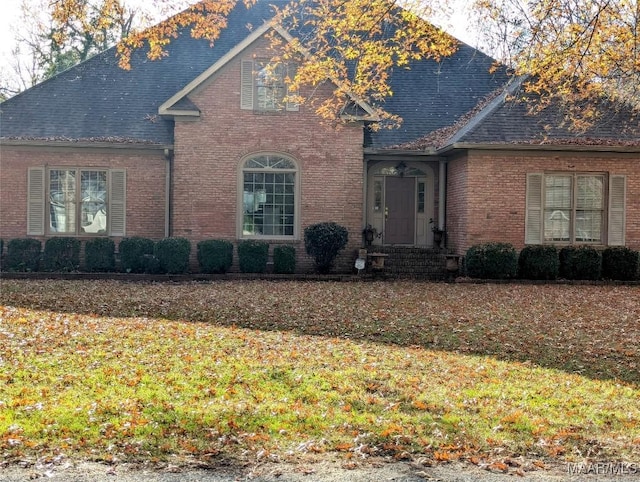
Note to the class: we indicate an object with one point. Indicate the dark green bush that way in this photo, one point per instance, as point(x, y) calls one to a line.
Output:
point(620, 263)
point(135, 253)
point(580, 262)
point(284, 259)
point(323, 241)
point(61, 254)
point(253, 256)
point(173, 255)
point(23, 254)
point(215, 255)
point(99, 255)
point(492, 261)
point(538, 262)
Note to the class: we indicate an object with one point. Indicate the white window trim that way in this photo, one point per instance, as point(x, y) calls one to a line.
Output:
point(240, 197)
point(248, 87)
point(614, 209)
point(38, 210)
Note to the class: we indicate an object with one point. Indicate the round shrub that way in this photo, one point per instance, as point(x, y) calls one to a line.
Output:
point(61, 254)
point(135, 253)
point(253, 256)
point(539, 262)
point(173, 255)
point(215, 255)
point(23, 254)
point(284, 259)
point(492, 261)
point(99, 255)
point(620, 263)
point(323, 242)
point(580, 262)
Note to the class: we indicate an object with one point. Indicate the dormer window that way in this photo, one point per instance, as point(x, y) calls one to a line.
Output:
point(264, 86)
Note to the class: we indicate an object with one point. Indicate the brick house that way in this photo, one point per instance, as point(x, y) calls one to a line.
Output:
point(198, 145)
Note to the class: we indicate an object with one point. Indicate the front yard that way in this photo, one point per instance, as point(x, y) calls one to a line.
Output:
point(106, 370)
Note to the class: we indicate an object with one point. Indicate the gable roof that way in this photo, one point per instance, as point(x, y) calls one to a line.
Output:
point(98, 100)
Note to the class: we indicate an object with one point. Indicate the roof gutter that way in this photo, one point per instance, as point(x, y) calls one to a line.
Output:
point(124, 145)
point(538, 147)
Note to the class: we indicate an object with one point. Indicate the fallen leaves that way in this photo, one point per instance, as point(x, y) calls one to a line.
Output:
point(108, 369)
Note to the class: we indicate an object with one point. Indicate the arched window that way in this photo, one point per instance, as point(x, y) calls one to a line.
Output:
point(269, 196)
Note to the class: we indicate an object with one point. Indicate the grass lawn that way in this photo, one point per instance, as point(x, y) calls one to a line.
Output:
point(107, 370)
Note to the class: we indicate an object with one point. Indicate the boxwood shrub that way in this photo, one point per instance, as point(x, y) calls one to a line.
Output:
point(61, 254)
point(135, 253)
point(173, 255)
point(491, 261)
point(284, 259)
point(215, 255)
point(99, 255)
point(23, 254)
point(539, 262)
point(253, 256)
point(580, 262)
point(620, 263)
point(323, 242)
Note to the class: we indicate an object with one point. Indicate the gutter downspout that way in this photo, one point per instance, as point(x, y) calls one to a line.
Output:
point(442, 194)
point(168, 155)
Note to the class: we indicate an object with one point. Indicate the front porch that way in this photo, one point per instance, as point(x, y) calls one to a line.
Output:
point(410, 262)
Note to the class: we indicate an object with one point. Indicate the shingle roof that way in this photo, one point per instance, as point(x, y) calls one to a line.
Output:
point(97, 99)
point(505, 118)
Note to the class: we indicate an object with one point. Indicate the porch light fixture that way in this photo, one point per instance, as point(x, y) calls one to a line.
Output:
point(401, 168)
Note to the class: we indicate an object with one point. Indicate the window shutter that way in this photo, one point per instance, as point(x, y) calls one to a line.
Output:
point(617, 195)
point(35, 203)
point(117, 205)
point(533, 227)
point(246, 85)
point(291, 73)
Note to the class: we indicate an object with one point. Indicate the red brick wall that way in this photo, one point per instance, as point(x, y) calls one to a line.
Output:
point(493, 206)
point(145, 185)
point(209, 151)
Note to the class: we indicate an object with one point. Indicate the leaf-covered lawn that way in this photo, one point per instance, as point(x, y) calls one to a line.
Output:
point(110, 370)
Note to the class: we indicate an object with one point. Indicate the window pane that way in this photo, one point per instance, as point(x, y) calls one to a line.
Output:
point(93, 185)
point(558, 192)
point(269, 204)
point(421, 197)
point(557, 225)
point(589, 226)
point(377, 195)
point(62, 201)
point(590, 192)
point(270, 86)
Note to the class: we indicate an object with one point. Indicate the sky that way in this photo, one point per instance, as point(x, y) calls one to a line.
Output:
point(9, 23)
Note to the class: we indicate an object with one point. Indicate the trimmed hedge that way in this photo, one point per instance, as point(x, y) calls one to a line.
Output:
point(23, 254)
point(580, 262)
point(215, 255)
point(253, 256)
point(620, 263)
point(323, 242)
point(173, 255)
point(539, 262)
point(135, 253)
point(61, 254)
point(99, 255)
point(284, 259)
point(492, 261)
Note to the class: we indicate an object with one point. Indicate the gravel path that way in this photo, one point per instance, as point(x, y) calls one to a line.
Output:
point(322, 471)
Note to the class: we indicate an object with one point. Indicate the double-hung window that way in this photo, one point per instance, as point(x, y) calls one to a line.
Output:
point(264, 86)
point(76, 201)
point(575, 208)
point(269, 197)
